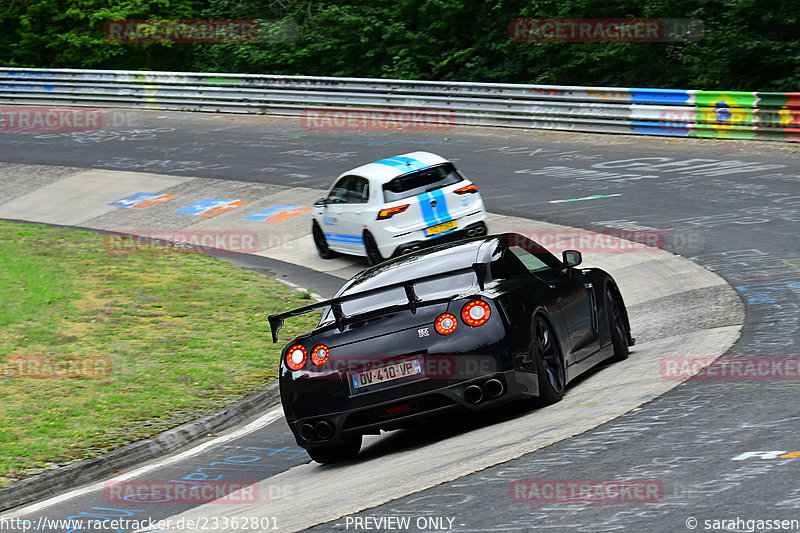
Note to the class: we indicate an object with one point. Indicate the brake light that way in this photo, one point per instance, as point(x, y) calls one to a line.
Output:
point(476, 313)
point(296, 357)
point(469, 189)
point(320, 354)
point(391, 211)
point(445, 324)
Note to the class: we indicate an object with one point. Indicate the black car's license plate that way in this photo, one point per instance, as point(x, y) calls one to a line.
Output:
point(402, 369)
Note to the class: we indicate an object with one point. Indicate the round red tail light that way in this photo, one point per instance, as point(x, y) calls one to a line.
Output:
point(476, 313)
point(296, 357)
point(320, 354)
point(445, 324)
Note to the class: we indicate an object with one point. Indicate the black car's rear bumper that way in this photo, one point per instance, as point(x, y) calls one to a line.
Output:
point(408, 404)
point(324, 404)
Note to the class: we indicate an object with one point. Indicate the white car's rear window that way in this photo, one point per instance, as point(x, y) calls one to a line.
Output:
point(416, 183)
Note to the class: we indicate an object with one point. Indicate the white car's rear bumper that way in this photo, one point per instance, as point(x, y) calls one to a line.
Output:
point(392, 243)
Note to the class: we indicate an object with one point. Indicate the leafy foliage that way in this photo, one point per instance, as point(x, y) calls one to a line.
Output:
point(747, 45)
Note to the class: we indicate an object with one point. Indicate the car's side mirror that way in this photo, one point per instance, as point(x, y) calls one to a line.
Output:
point(320, 203)
point(571, 258)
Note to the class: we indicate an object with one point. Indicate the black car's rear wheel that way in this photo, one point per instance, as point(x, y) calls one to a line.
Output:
point(374, 256)
point(321, 242)
point(335, 453)
point(549, 363)
point(617, 325)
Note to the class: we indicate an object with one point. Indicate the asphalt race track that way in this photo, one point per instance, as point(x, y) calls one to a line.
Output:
point(730, 206)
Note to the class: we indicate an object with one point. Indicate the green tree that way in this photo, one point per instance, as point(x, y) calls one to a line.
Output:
point(747, 45)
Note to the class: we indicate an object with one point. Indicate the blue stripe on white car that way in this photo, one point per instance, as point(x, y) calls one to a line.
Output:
point(428, 214)
point(434, 215)
point(345, 238)
point(414, 164)
point(440, 211)
point(405, 164)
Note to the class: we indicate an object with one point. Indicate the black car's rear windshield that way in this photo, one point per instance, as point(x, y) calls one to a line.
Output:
point(416, 183)
point(445, 287)
point(451, 256)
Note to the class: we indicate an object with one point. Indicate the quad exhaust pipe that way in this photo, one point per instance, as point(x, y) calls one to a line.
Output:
point(494, 388)
point(473, 394)
point(322, 430)
point(307, 432)
point(489, 389)
point(480, 230)
point(410, 249)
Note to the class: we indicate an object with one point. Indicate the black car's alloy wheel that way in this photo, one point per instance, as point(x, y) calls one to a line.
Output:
point(549, 363)
point(321, 243)
point(373, 254)
point(337, 452)
point(617, 326)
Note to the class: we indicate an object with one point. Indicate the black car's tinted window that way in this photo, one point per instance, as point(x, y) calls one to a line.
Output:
point(532, 262)
point(507, 266)
point(524, 255)
point(396, 296)
point(445, 287)
point(416, 183)
point(451, 256)
point(522, 246)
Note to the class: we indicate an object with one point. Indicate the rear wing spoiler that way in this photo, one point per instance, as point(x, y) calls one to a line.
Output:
point(276, 321)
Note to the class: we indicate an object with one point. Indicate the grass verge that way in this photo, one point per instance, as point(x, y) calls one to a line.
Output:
point(98, 349)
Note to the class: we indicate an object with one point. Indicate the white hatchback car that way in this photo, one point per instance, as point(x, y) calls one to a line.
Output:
point(395, 206)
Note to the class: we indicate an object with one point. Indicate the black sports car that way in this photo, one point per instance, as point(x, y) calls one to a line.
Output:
point(470, 324)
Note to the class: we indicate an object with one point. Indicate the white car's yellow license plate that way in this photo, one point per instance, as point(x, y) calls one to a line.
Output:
point(373, 376)
point(440, 228)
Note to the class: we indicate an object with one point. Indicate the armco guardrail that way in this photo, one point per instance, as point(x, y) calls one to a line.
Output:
point(729, 114)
